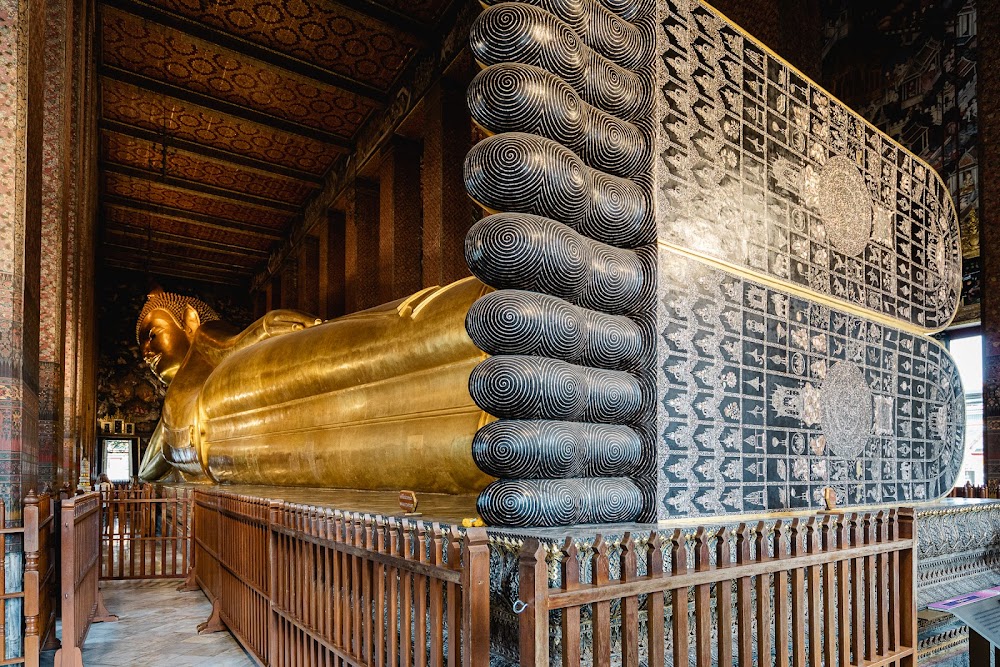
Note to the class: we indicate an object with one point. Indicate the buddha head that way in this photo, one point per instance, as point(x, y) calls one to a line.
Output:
point(165, 329)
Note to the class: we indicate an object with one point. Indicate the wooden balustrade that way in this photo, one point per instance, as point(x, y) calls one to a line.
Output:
point(38, 590)
point(146, 532)
point(80, 554)
point(301, 585)
point(832, 591)
point(991, 490)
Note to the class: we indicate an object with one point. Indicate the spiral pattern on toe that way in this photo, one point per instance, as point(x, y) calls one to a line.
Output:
point(518, 387)
point(560, 502)
point(511, 97)
point(553, 449)
point(528, 323)
point(519, 251)
point(603, 30)
point(515, 32)
point(529, 174)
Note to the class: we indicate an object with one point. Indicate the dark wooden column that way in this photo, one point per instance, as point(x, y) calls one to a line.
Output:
point(988, 92)
point(361, 247)
point(448, 211)
point(308, 275)
point(399, 221)
point(331, 266)
point(273, 292)
point(289, 277)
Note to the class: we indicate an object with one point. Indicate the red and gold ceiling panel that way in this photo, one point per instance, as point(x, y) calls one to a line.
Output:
point(142, 154)
point(321, 33)
point(162, 248)
point(137, 45)
point(141, 190)
point(132, 105)
point(141, 221)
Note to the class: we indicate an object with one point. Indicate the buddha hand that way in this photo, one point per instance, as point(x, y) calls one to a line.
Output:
point(278, 322)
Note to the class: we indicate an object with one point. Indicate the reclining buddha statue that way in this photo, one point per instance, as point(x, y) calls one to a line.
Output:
point(710, 286)
point(292, 400)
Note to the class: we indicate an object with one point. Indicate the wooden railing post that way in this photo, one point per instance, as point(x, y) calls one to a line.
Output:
point(32, 580)
point(533, 593)
point(907, 585)
point(476, 594)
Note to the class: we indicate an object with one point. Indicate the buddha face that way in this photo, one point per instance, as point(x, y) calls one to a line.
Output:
point(163, 344)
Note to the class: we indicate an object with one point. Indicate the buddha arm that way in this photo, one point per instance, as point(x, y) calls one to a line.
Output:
point(153, 465)
point(216, 341)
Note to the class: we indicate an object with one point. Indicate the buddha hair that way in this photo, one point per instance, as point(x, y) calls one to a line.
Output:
point(174, 305)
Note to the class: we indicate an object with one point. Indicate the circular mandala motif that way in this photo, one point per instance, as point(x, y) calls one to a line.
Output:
point(845, 205)
point(846, 410)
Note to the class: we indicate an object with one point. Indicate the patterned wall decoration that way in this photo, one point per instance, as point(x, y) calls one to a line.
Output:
point(131, 105)
point(140, 221)
point(705, 261)
point(163, 54)
point(124, 383)
point(326, 34)
point(928, 53)
point(130, 187)
point(149, 155)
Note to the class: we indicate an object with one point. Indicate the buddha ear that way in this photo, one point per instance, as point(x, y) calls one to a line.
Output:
point(192, 320)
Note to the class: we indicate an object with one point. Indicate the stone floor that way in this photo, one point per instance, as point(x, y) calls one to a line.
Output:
point(156, 628)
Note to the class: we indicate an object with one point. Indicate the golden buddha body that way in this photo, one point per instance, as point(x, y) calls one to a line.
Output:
point(353, 402)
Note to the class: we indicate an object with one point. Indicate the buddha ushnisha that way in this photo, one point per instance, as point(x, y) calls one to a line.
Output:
point(375, 400)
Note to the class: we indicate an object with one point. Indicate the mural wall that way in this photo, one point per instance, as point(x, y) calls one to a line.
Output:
point(124, 383)
point(910, 68)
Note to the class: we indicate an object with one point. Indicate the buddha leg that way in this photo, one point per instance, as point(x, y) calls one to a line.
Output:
point(374, 400)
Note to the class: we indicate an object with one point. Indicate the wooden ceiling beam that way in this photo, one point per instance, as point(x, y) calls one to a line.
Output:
point(184, 260)
point(257, 51)
point(174, 272)
point(197, 218)
point(194, 186)
point(224, 107)
point(208, 151)
point(132, 231)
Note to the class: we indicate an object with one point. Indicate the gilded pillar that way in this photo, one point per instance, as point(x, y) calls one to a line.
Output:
point(988, 91)
point(399, 221)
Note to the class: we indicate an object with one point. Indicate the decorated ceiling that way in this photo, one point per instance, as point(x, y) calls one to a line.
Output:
point(220, 119)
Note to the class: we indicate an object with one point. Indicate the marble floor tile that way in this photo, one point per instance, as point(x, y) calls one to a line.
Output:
point(157, 627)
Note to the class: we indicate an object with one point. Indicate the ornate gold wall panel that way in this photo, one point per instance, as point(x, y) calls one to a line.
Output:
point(129, 104)
point(158, 193)
point(149, 155)
point(324, 34)
point(163, 54)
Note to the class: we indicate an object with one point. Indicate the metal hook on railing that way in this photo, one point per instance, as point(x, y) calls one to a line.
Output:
point(519, 606)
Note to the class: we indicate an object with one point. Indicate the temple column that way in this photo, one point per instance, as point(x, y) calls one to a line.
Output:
point(331, 266)
point(988, 92)
point(22, 103)
point(448, 211)
point(361, 246)
point(308, 275)
point(399, 221)
point(289, 277)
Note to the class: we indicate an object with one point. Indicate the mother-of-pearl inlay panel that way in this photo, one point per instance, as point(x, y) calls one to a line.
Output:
point(761, 169)
point(766, 398)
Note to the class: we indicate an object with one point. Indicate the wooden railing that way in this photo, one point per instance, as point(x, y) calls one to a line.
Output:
point(80, 552)
point(838, 591)
point(992, 490)
point(146, 533)
point(301, 585)
point(38, 590)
